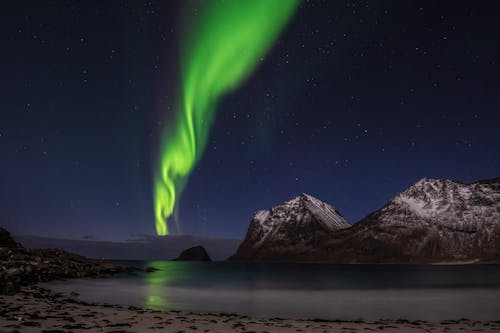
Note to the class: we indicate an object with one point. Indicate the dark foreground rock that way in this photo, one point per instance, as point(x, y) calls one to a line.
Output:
point(7, 241)
point(197, 253)
point(20, 267)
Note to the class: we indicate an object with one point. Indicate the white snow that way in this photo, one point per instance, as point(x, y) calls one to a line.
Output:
point(325, 214)
point(446, 202)
point(301, 210)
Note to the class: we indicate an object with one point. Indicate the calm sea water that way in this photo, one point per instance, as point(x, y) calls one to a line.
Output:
point(305, 290)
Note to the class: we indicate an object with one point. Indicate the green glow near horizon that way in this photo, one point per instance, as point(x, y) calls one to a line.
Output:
point(223, 45)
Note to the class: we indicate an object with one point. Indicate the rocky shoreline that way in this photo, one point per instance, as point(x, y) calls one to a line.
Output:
point(26, 307)
point(36, 309)
point(22, 267)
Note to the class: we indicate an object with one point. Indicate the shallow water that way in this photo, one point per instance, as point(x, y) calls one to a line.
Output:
point(305, 290)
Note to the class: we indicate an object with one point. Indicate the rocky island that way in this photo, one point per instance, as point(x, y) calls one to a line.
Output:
point(195, 253)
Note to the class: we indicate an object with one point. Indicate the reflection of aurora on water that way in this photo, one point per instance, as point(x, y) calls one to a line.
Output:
point(166, 274)
point(323, 291)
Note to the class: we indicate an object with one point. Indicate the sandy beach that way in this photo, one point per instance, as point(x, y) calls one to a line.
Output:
point(36, 309)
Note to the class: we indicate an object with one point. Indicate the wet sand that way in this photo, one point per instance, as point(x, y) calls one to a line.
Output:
point(36, 309)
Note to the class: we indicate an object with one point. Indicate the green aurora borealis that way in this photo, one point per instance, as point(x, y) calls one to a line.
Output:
point(222, 46)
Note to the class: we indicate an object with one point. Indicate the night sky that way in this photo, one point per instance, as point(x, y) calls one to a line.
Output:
point(356, 101)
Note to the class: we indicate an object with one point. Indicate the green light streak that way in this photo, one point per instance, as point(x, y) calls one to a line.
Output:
point(224, 44)
point(156, 282)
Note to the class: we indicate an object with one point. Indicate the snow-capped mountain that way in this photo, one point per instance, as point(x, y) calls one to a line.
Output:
point(451, 204)
point(433, 220)
point(289, 228)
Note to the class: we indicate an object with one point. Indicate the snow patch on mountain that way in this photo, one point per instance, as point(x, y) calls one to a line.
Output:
point(302, 209)
point(445, 202)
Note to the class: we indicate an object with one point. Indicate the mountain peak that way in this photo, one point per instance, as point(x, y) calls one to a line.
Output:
point(444, 202)
point(305, 208)
point(290, 225)
point(435, 181)
point(299, 198)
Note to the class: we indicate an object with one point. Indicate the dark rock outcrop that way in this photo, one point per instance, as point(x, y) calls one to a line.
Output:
point(19, 266)
point(6, 240)
point(196, 253)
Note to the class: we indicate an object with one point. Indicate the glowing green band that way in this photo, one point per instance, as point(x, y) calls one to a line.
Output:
point(224, 45)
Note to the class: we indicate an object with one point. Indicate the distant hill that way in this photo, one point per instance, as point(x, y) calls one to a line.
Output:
point(146, 248)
